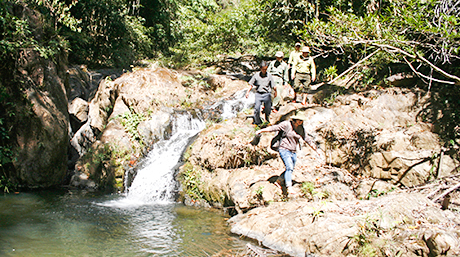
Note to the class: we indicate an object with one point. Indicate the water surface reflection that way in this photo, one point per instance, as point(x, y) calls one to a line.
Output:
point(76, 223)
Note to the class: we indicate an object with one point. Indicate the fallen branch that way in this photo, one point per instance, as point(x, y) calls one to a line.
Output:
point(418, 56)
point(349, 69)
point(447, 192)
point(434, 192)
point(439, 70)
point(424, 76)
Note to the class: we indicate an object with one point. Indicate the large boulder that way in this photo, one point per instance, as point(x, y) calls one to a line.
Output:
point(397, 224)
point(377, 134)
point(127, 115)
point(41, 131)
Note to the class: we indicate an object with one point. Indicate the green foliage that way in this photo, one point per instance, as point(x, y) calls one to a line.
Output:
point(308, 190)
point(210, 29)
point(6, 185)
point(191, 182)
point(425, 28)
point(109, 33)
point(368, 230)
point(130, 121)
point(377, 193)
point(260, 191)
point(21, 29)
point(330, 72)
point(6, 154)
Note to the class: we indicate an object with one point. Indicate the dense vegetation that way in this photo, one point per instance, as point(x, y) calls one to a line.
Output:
point(421, 37)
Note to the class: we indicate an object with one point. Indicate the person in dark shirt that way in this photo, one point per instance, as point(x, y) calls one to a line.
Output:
point(263, 83)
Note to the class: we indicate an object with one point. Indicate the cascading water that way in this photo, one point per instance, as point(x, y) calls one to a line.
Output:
point(228, 108)
point(154, 182)
point(143, 222)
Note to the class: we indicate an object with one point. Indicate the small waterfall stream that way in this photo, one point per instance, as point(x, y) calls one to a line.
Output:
point(145, 221)
point(154, 182)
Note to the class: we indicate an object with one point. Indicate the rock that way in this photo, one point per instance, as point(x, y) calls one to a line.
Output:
point(300, 227)
point(81, 180)
point(41, 124)
point(83, 139)
point(153, 129)
point(102, 104)
point(132, 112)
point(373, 188)
point(79, 109)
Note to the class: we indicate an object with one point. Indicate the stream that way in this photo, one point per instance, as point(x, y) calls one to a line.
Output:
point(144, 221)
point(80, 223)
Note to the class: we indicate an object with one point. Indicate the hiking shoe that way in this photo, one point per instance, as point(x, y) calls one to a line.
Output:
point(256, 139)
point(278, 185)
point(290, 193)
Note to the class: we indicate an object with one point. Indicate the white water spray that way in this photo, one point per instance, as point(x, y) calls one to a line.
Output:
point(236, 103)
point(154, 183)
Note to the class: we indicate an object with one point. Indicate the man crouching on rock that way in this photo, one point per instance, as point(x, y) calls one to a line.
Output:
point(293, 132)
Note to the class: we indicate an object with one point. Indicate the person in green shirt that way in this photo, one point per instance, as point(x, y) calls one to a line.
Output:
point(292, 56)
point(279, 70)
point(303, 73)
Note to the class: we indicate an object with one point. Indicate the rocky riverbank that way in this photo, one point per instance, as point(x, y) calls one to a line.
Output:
point(379, 191)
point(364, 201)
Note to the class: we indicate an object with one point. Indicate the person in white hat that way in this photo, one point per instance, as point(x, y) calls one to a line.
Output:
point(303, 73)
point(279, 70)
point(294, 54)
point(293, 131)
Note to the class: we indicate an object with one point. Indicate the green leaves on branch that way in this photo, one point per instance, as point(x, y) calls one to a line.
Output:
point(130, 121)
point(403, 29)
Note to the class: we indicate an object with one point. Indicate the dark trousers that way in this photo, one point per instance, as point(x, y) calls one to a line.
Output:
point(265, 98)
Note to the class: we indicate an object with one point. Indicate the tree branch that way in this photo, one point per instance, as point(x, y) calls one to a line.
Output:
point(457, 79)
point(424, 76)
point(439, 70)
point(351, 68)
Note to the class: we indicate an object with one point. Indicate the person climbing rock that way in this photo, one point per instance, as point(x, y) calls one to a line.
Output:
point(303, 73)
point(264, 83)
point(293, 132)
point(279, 69)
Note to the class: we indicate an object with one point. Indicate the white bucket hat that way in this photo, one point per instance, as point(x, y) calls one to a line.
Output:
point(299, 116)
point(305, 49)
point(279, 54)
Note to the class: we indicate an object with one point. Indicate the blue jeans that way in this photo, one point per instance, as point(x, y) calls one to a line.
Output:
point(266, 99)
point(289, 158)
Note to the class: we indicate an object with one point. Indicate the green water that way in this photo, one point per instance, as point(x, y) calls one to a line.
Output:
point(76, 223)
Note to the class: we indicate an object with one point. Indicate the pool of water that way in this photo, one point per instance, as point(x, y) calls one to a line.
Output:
point(79, 223)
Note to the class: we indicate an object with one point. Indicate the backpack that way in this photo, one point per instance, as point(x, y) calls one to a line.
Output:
point(276, 141)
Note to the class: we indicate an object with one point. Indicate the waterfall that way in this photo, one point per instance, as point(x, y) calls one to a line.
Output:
point(154, 182)
point(228, 108)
